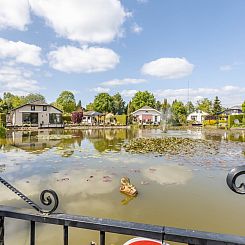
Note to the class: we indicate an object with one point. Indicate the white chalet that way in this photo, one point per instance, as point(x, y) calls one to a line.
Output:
point(197, 116)
point(36, 114)
point(147, 115)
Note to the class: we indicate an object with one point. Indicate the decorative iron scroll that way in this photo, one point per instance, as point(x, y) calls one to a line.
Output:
point(232, 178)
point(47, 198)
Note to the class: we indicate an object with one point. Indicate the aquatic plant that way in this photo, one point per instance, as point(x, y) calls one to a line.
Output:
point(171, 145)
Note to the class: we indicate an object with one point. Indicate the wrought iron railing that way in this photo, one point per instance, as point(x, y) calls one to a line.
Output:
point(161, 233)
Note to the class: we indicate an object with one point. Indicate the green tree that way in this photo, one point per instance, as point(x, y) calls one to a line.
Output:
point(189, 107)
point(158, 105)
point(67, 100)
point(216, 106)
point(165, 105)
point(141, 99)
point(243, 110)
point(179, 112)
point(118, 104)
point(79, 105)
point(34, 97)
point(204, 105)
point(103, 102)
point(90, 107)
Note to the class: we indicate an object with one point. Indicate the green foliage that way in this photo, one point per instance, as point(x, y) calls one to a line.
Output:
point(232, 118)
point(189, 107)
point(90, 107)
point(67, 100)
point(204, 105)
point(118, 104)
point(179, 112)
point(141, 99)
point(2, 119)
point(66, 118)
point(121, 119)
point(34, 97)
point(243, 107)
point(158, 105)
point(217, 108)
point(2, 132)
point(165, 105)
point(79, 105)
point(103, 102)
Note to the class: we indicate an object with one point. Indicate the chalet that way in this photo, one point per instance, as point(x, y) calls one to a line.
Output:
point(92, 117)
point(197, 117)
point(234, 110)
point(147, 115)
point(36, 114)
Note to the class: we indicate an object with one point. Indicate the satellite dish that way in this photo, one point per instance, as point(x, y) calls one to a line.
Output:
point(143, 241)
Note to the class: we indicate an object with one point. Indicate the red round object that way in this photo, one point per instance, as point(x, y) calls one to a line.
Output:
point(142, 241)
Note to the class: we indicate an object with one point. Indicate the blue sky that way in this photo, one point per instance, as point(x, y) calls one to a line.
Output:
point(124, 46)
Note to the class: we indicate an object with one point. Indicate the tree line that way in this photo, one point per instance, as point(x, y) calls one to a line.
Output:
point(106, 103)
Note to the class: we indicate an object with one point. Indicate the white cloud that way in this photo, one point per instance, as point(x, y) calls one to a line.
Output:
point(168, 175)
point(14, 14)
point(20, 52)
point(17, 80)
point(136, 28)
point(93, 21)
point(129, 93)
point(125, 81)
point(229, 95)
point(86, 60)
point(100, 90)
point(226, 68)
point(168, 68)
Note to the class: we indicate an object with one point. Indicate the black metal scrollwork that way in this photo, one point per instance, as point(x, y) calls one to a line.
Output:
point(47, 198)
point(232, 178)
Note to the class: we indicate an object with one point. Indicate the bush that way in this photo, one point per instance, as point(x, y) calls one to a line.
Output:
point(2, 132)
point(77, 117)
point(2, 119)
point(121, 119)
point(232, 118)
point(209, 122)
point(66, 119)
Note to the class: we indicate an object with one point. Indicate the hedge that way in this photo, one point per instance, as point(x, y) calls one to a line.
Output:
point(232, 118)
point(66, 119)
point(2, 132)
point(2, 119)
point(121, 119)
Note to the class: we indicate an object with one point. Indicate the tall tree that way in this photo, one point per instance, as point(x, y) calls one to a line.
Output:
point(67, 100)
point(141, 99)
point(204, 105)
point(165, 105)
point(79, 105)
point(158, 105)
point(90, 107)
point(118, 104)
point(179, 112)
point(216, 106)
point(103, 102)
point(243, 110)
point(34, 97)
point(190, 107)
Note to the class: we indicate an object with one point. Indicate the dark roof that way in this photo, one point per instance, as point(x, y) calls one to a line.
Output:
point(92, 113)
point(40, 103)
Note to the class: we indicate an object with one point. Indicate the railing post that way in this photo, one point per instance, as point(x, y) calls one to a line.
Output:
point(1, 230)
point(102, 238)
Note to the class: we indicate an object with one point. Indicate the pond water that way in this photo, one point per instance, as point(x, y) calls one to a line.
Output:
point(85, 168)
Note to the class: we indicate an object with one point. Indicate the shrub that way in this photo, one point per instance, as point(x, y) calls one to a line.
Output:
point(2, 132)
point(2, 119)
point(66, 118)
point(121, 119)
point(77, 117)
point(233, 118)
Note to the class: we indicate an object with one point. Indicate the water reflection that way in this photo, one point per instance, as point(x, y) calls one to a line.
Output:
point(85, 167)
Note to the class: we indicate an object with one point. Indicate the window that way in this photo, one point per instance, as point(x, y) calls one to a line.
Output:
point(30, 118)
point(44, 108)
point(32, 108)
point(55, 118)
point(155, 118)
